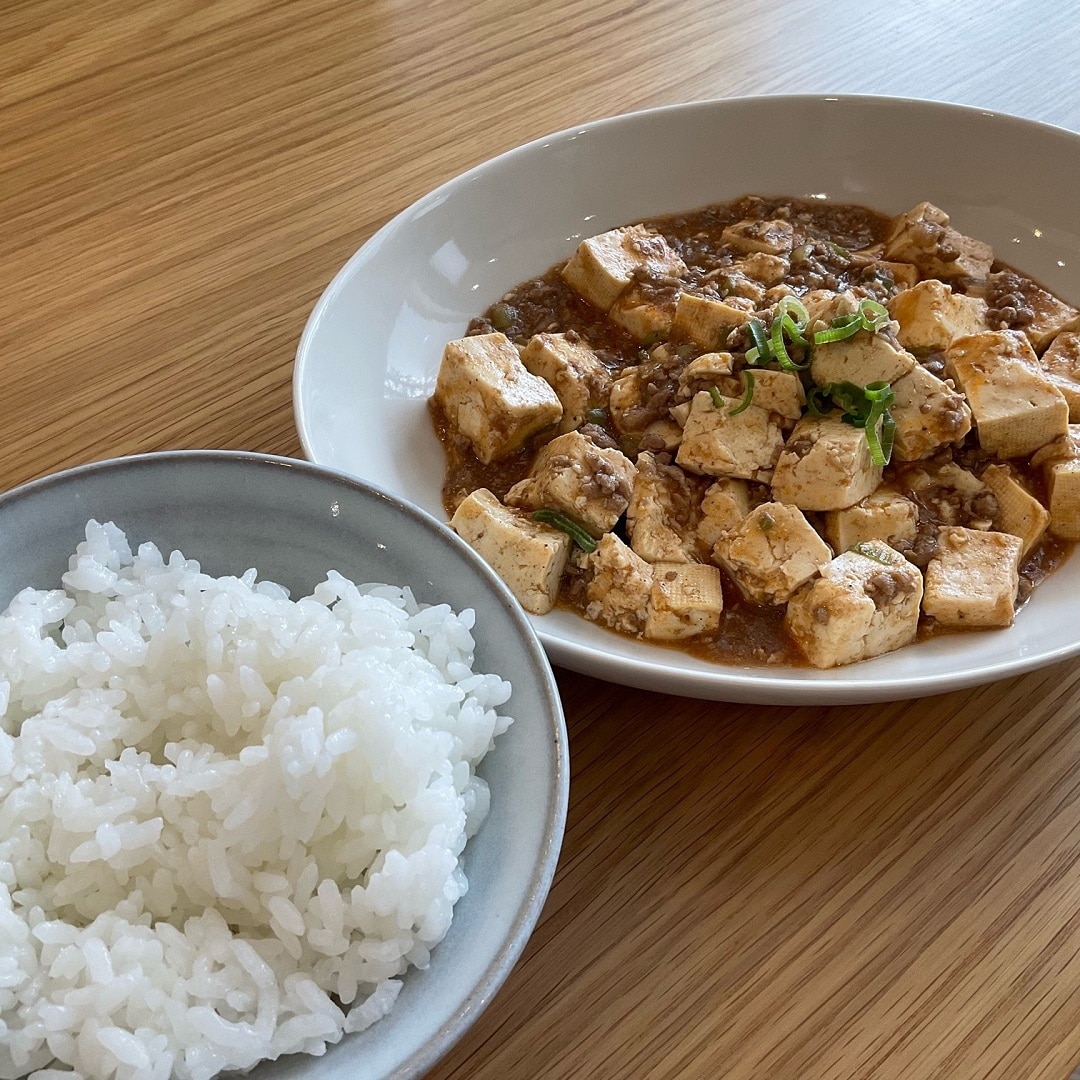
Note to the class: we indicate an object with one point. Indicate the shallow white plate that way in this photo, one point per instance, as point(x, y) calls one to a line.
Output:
point(370, 352)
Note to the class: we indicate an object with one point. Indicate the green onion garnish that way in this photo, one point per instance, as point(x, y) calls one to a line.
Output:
point(789, 304)
point(791, 318)
point(556, 520)
point(880, 396)
point(874, 316)
point(748, 396)
point(819, 400)
point(838, 250)
point(841, 328)
point(861, 406)
point(717, 397)
point(794, 332)
point(760, 352)
point(864, 549)
point(597, 416)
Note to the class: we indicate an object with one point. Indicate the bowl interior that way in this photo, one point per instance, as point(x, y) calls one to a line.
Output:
point(370, 353)
point(294, 522)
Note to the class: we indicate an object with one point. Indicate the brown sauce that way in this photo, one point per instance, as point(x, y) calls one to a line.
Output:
point(832, 236)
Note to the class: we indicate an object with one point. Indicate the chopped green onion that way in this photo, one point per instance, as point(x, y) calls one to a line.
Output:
point(877, 454)
point(760, 352)
point(789, 304)
point(766, 522)
point(748, 396)
point(556, 520)
point(868, 552)
point(819, 401)
point(779, 349)
point(836, 249)
point(874, 316)
point(598, 416)
point(861, 406)
point(717, 397)
point(841, 328)
point(794, 332)
point(790, 318)
point(888, 434)
point(881, 396)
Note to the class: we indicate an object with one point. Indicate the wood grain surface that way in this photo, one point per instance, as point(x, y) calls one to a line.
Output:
point(744, 892)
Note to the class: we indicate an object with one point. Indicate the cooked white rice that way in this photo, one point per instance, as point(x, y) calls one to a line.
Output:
point(229, 821)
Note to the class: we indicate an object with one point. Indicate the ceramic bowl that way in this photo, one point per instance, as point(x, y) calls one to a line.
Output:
point(293, 521)
point(370, 352)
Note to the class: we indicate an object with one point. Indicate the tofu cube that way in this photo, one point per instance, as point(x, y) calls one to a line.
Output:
point(883, 515)
point(627, 399)
point(643, 314)
point(704, 371)
point(825, 465)
point(780, 392)
point(1015, 407)
point(771, 552)
point(619, 586)
point(586, 482)
point(972, 579)
point(1018, 511)
point(1061, 365)
point(604, 265)
point(932, 316)
point(528, 556)
point(864, 603)
point(706, 321)
point(928, 413)
point(725, 503)
point(487, 394)
point(861, 359)
point(573, 371)
point(717, 443)
point(953, 495)
point(663, 434)
point(664, 511)
point(773, 237)
point(686, 600)
point(763, 267)
point(924, 236)
point(902, 275)
point(824, 305)
point(1060, 463)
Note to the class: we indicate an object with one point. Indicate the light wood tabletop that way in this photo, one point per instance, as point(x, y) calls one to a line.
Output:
point(815, 893)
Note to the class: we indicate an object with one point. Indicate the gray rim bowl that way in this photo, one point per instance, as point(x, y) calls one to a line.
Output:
point(302, 519)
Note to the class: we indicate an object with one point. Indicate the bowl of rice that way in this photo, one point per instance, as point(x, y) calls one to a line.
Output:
point(283, 775)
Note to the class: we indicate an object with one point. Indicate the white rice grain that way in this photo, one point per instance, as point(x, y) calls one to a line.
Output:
point(229, 821)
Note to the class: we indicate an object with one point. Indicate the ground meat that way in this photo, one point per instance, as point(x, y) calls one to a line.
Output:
point(1007, 301)
point(925, 545)
point(599, 436)
point(886, 584)
point(934, 362)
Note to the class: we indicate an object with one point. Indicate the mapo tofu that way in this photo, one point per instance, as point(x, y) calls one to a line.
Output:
point(770, 431)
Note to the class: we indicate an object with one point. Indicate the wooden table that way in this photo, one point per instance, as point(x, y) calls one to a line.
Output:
point(821, 894)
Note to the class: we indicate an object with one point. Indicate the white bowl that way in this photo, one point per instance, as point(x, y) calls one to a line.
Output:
point(294, 521)
point(370, 352)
